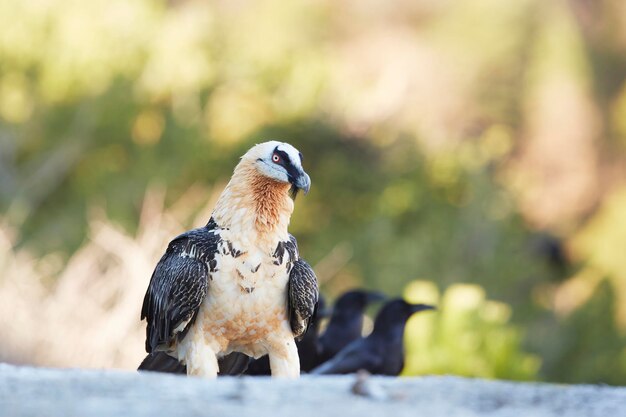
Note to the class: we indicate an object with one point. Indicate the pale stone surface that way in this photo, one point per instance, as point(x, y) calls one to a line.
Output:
point(28, 391)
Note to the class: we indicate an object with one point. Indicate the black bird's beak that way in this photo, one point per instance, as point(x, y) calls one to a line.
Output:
point(302, 182)
point(374, 296)
point(415, 308)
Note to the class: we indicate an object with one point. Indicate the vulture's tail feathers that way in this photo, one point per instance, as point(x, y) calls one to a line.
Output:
point(233, 364)
point(162, 362)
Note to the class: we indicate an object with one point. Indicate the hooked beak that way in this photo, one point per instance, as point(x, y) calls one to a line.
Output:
point(302, 182)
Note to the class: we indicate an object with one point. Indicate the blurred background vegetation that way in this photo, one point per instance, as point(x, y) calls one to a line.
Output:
point(468, 153)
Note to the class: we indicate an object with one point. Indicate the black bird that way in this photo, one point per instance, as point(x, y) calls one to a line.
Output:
point(346, 322)
point(382, 352)
point(308, 347)
point(552, 251)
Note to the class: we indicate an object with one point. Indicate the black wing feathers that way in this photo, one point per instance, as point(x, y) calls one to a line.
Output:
point(177, 288)
point(303, 291)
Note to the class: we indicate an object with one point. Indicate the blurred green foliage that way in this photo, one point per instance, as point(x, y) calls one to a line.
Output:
point(469, 336)
point(411, 120)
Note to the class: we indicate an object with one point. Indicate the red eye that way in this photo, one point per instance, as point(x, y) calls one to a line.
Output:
point(276, 158)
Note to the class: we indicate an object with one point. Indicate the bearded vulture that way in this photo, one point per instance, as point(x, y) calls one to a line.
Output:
point(237, 284)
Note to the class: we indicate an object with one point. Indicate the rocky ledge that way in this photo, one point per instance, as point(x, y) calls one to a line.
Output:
point(27, 391)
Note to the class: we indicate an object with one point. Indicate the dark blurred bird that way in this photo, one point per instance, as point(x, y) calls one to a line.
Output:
point(346, 323)
point(308, 347)
point(552, 251)
point(237, 284)
point(382, 352)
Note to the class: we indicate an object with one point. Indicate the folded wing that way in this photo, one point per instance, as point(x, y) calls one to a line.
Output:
point(178, 286)
point(303, 293)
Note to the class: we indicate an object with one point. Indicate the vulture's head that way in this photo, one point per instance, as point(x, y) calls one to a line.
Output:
point(281, 162)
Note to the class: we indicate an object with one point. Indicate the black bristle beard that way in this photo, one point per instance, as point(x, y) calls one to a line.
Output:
point(293, 192)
